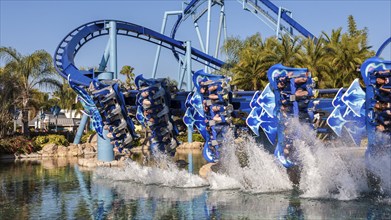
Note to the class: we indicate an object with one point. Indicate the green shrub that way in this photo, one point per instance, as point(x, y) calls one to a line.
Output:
point(18, 144)
point(50, 139)
point(86, 136)
point(196, 137)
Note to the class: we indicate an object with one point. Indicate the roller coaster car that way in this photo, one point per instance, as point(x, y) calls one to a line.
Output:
point(109, 99)
point(209, 110)
point(153, 102)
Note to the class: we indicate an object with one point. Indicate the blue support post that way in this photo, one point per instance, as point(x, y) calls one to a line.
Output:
point(80, 129)
point(113, 48)
point(105, 148)
point(189, 88)
point(189, 81)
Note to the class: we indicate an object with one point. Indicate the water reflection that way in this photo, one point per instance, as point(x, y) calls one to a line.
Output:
point(62, 190)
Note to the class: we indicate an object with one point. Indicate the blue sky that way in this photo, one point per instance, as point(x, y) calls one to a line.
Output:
point(32, 25)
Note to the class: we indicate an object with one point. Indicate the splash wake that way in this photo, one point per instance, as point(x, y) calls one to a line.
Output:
point(326, 171)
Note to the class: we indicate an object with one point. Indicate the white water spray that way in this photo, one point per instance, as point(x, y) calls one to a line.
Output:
point(164, 172)
point(246, 165)
point(328, 172)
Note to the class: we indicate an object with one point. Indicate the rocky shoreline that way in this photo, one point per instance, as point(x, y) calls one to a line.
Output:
point(86, 154)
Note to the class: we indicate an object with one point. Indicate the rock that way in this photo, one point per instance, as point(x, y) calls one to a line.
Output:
point(62, 151)
point(89, 149)
point(49, 150)
point(192, 145)
point(73, 150)
point(182, 146)
point(206, 169)
point(23, 155)
point(196, 145)
point(95, 146)
point(34, 155)
point(80, 150)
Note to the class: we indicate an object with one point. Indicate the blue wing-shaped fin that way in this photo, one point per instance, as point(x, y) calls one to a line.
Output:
point(355, 125)
point(267, 100)
point(354, 97)
point(337, 101)
point(253, 102)
point(336, 120)
point(269, 126)
point(196, 102)
point(253, 120)
point(89, 107)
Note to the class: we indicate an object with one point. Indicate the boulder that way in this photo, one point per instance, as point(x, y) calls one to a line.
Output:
point(49, 150)
point(88, 149)
point(80, 149)
point(205, 170)
point(73, 150)
point(192, 145)
point(196, 145)
point(62, 151)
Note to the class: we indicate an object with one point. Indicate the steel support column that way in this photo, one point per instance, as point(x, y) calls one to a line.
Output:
point(105, 148)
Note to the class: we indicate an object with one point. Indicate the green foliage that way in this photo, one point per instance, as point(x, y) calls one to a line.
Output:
point(128, 72)
point(29, 72)
point(86, 136)
point(196, 137)
point(239, 121)
point(50, 139)
point(8, 89)
point(333, 58)
point(18, 144)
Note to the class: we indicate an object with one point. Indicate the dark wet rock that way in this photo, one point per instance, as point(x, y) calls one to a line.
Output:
point(181, 163)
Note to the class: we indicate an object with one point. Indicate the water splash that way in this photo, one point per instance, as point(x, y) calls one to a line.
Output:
point(379, 164)
point(246, 165)
point(162, 171)
point(328, 172)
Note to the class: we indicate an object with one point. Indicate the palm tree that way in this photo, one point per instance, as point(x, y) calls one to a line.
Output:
point(128, 72)
point(346, 52)
point(68, 98)
point(8, 89)
point(286, 51)
point(32, 71)
point(245, 62)
point(249, 72)
point(314, 57)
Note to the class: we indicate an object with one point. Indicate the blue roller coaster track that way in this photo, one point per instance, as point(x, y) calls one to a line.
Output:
point(349, 101)
point(71, 44)
point(256, 5)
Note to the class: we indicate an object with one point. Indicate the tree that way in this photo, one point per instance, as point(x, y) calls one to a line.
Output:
point(128, 72)
point(252, 58)
point(32, 70)
point(314, 57)
point(8, 89)
point(346, 52)
point(68, 98)
point(246, 64)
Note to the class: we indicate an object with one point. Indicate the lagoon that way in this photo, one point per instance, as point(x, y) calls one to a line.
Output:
point(60, 189)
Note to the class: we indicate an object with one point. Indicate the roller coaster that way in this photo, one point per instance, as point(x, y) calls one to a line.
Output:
point(211, 106)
